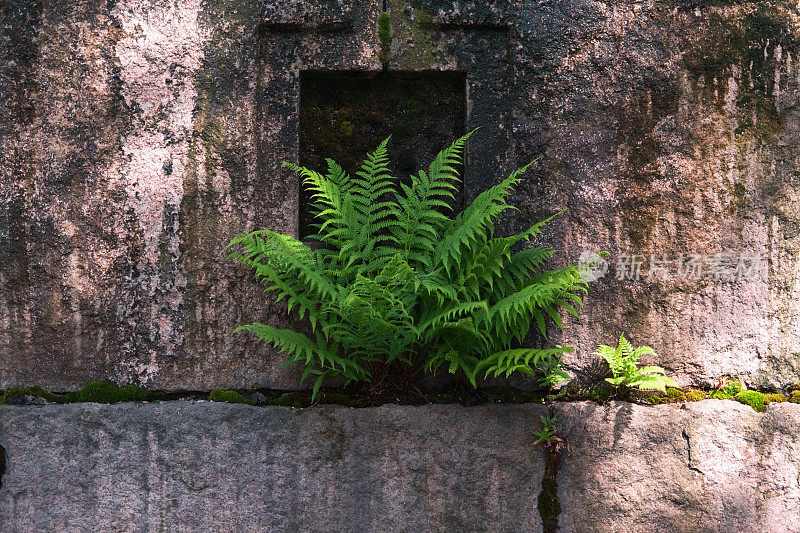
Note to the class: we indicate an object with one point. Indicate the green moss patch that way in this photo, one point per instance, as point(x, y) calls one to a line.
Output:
point(574, 392)
point(675, 395)
point(415, 31)
point(342, 399)
point(728, 392)
point(288, 401)
point(385, 37)
point(752, 398)
point(731, 391)
point(228, 396)
point(98, 392)
point(774, 398)
point(795, 397)
point(103, 392)
point(695, 396)
point(36, 392)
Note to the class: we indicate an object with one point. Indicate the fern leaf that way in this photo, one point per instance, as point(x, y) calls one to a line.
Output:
point(295, 343)
point(279, 257)
point(524, 360)
point(471, 227)
point(395, 275)
point(429, 325)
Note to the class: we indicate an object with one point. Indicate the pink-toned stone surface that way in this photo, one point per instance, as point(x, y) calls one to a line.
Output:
point(129, 161)
point(210, 466)
point(713, 465)
point(136, 138)
point(673, 129)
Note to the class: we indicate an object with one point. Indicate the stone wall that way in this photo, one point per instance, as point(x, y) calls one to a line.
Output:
point(138, 137)
point(712, 466)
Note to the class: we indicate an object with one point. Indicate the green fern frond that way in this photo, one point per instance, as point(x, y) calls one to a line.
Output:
point(428, 325)
point(454, 360)
point(473, 227)
point(304, 350)
point(543, 294)
point(420, 223)
point(396, 277)
point(623, 362)
point(520, 360)
point(281, 258)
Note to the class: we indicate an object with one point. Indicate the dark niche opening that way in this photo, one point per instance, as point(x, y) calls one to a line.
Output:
point(345, 115)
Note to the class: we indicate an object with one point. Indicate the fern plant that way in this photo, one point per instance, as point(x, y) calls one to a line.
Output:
point(397, 280)
point(547, 434)
point(624, 363)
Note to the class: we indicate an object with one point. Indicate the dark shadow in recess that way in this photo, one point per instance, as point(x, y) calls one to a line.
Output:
point(345, 115)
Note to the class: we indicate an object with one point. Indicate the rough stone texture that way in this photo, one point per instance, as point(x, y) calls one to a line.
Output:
point(137, 137)
point(221, 467)
point(713, 465)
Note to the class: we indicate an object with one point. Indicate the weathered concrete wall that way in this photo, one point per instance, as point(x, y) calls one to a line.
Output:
point(713, 466)
point(137, 137)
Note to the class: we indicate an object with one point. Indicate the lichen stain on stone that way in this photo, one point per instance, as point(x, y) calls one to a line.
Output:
point(747, 67)
point(64, 131)
point(415, 44)
point(743, 62)
point(638, 155)
point(688, 165)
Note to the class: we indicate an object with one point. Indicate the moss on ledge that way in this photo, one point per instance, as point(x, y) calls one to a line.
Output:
point(674, 395)
point(774, 397)
point(752, 398)
point(97, 391)
point(36, 392)
point(103, 392)
point(728, 392)
point(108, 393)
point(228, 396)
point(574, 392)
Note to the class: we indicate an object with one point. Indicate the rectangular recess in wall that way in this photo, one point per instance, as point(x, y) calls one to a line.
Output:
point(345, 115)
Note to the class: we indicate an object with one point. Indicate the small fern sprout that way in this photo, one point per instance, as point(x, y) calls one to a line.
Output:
point(398, 279)
point(624, 364)
point(547, 436)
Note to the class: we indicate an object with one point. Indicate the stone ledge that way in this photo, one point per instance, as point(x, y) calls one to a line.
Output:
point(175, 466)
point(713, 465)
